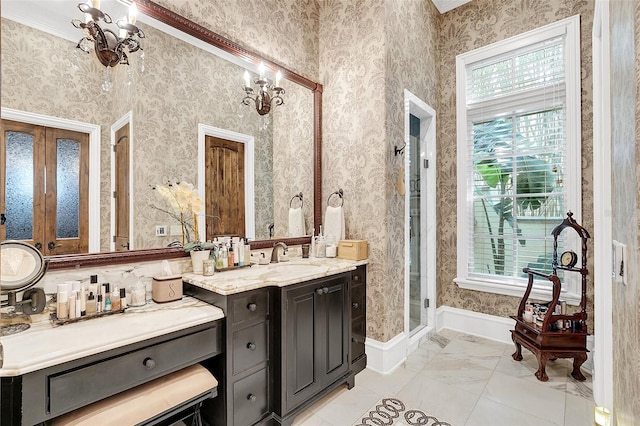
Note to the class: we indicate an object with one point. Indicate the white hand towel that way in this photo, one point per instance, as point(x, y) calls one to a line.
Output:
point(334, 223)
point(296, 222)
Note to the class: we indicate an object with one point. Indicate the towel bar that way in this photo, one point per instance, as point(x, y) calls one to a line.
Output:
point(299, 196)
point(340, 194)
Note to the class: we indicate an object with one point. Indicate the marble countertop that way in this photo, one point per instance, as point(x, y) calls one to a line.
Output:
point(44, 345)
point(274, 274)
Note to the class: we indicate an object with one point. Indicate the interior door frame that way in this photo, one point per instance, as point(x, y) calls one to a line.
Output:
point(120, 123)
point(427, 116)
point(94, 160)
point(205, 130)
point(602, 219)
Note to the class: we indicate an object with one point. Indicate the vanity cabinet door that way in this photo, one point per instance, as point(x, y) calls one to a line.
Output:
point(316, 338)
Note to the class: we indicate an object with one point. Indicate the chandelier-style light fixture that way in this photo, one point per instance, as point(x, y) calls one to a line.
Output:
point(269, 95)
point(110, 48)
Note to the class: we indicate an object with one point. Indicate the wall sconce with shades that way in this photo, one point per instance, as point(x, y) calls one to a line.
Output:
point(110, 48)
point(268, 94)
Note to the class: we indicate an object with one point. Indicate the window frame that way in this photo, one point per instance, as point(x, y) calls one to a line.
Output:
point(570, 27)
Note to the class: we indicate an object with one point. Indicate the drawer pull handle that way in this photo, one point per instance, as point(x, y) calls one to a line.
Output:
point(356, 278)
point(355, 305)
point(319, 292)
point(251, 346)
point(149, 363)
point(252, 307)
point(325, 290)
point(251, 397)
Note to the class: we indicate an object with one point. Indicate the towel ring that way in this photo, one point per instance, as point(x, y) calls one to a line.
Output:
point(299, 196)
point(340, 194)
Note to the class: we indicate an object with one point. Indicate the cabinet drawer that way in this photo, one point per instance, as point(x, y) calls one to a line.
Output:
point(250, 346)
point(359, 276)
point(358, 300)
point(250, 398)
point(75, 388)
point(253, 306)
point(358, 333)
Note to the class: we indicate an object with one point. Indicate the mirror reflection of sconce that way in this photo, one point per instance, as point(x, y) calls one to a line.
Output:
point(268, 94)
point(110, 48)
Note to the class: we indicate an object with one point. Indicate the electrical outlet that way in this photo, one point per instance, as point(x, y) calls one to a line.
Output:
point(161, 230)
point(175, 230)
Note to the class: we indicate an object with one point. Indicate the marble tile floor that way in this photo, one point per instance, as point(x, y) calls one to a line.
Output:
point(466, 381)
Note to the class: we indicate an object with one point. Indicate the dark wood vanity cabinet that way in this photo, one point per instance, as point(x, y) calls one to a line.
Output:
point(42, 395)
point(286, 347)
point(358, 303)
point(313, 339)
point(244, 369)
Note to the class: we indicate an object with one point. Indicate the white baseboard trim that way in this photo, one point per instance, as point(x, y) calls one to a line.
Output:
point(490, 327)
point(483, 325)
point(386, 357)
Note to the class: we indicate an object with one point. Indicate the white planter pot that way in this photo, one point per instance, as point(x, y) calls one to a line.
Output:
point(197, 257)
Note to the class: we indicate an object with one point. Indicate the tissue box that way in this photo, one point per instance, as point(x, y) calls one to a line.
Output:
point(166, 288)
point(352, 249)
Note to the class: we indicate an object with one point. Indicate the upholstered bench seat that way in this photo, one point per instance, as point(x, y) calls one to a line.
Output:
point(149, 403)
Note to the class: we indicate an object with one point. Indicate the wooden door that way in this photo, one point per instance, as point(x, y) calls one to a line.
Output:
point(45, 195)
point(22, 191)
point(121, 194)
point(224, 187)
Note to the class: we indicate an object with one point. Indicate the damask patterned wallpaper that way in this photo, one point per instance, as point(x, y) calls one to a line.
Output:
point(284, 31)
point(625, 120)
point(473, 25)
point(180, 88)
point(369, 53)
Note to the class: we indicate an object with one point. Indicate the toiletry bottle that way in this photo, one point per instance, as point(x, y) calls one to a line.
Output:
point(219, 263)
point(247, 252)
point(107, 297)
point(72, 305)
point(92, 306)
point(239, 258)
point(99, 305)
point(224, 254)
point(78, 304)
point(321, 246)
point(230, 259)
point(62, 310)
point(123, 298)
point(93, 285)
point(83, 301)
point(115, 299)
point(312, 252)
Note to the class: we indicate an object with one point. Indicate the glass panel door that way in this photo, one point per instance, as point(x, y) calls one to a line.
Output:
point(417, 288)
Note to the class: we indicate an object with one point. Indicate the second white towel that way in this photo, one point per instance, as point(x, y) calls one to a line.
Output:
point(296, 222)
point(334, 223)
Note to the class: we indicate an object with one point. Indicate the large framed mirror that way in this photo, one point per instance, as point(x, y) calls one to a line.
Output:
point(180, 113)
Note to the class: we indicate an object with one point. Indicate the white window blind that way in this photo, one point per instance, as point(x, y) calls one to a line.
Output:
point(516, 133)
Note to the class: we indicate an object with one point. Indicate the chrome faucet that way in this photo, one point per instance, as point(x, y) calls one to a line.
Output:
point(274, 253)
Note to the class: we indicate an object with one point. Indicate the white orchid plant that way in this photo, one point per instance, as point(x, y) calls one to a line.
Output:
point(186, 205)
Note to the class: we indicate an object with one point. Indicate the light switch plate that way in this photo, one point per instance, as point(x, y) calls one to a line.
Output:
point(175, 230)
point(161, 230)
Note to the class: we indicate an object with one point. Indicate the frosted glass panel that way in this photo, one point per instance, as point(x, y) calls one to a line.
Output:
point(19, 186)
point(68, 187)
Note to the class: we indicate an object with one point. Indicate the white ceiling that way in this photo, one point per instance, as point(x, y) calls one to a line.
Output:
point(447, 5)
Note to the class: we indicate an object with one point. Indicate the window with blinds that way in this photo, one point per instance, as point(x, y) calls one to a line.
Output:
point(518, 147)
